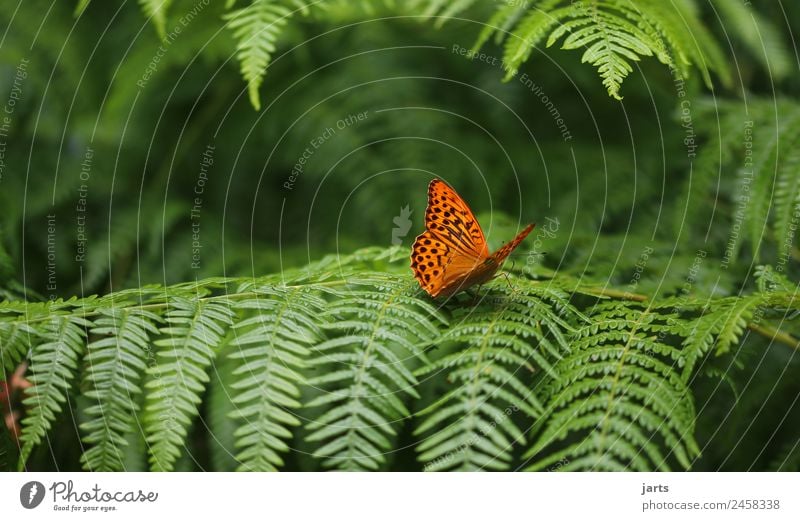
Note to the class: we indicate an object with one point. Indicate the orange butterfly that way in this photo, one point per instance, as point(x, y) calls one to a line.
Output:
point(451, 254)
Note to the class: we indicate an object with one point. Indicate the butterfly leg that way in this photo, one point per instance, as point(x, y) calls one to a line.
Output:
point(504, 274)
point(475, 294)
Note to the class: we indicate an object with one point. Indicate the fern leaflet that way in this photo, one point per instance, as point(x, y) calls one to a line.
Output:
point(272, 349)
point(194, 331)
point(497, 346)
point(256, 29)
point(116, 362)
point(618, 401)
point(54, 364)
point(375, 333)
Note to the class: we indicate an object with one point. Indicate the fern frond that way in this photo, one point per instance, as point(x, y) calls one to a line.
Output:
point(787, 194)
point(54, 364)
point(81, 6)
point(532, 29)
point(221, 427)
point(256, 29)
point(348, 338)
point(705, 176)
point(116, 363)
point(442, 9)
point(375, 332)
point(15, 336)
point(194, 331)
point(612, 33)
point(769, 281)
point(611, 41)
point(273, 345)
point(689, 41)
point(500, 23)
point(767, 191)
point(156, 10)
point(498, 347)
point(719, 325)
point(618, 402)
point(763, 40)
point(761, 194)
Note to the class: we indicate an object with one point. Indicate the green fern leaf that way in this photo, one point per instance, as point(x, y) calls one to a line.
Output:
point(442, 9)
point(688, 40)
point(116, 362)
point(531, 29)
point(611, 41)
point(498, 346)
point(156, 10)
point(759, 196)
point(612, 33)
point(500, 23)
point(15, 338)
point(256, 29)
point(763, 40)
point(54, 364)
point(787, 188)
point(720, 324)
point(81, 6)
point(194, 331)
point(272, 348)
point(618, 401)
point(770, 281)
point(221, 427)
point(375, 333)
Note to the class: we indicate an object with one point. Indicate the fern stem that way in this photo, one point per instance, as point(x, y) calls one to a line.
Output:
point(776, 335)
point(615, 293)
point(615, 382)
point(358, 384)
point(87, 311)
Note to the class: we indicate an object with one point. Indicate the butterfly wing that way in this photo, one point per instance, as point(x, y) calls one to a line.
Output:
point(438, 266)
point(452, 254)
point(443, 270)
point(452, 247)
point(500, 255)
point(449, 218)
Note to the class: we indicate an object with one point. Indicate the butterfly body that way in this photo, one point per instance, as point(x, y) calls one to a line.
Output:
point(451, 255)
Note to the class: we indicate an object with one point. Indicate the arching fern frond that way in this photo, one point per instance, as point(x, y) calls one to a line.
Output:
point(194, 331)
point(720, 326)
point(375, 333)
point(612, 33)
point(15, 337)
point(256, 28)
point(346, 337)
point(156, 10)
point(763, 40)
point(442, 9)
point(116, 362)
point(54, 364)
point(763, 189)
point(496, 348)
point(270, 350)
point(619, 402)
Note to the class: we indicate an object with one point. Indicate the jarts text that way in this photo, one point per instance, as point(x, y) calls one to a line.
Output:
point(653, 488)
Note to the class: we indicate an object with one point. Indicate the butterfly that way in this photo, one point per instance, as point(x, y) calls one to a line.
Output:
point(451, 254)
